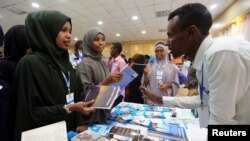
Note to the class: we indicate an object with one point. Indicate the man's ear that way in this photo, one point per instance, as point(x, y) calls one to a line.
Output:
point(192, 31)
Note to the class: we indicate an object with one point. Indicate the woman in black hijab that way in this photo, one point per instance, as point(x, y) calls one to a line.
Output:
point(134, 94)
point(47, 88)
point(15, 46)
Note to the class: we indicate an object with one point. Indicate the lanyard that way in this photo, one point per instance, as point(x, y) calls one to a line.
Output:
point(138, 64)
point(67, 81)
point(201, 87)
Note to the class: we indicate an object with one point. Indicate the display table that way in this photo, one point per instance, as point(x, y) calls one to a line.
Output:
point(130, 121)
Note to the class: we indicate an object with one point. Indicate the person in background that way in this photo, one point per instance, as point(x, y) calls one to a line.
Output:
point(161, 77)
point(147, 58)
point(76, 57)
point(45, 83)
point(133, 93)
point(124, 57)
point(222, 65)
point(192, 82)
point(130, 60)
point(116, 64)
point(93, 70)
point(1, 36)
point(15, 47)
point(185, 65)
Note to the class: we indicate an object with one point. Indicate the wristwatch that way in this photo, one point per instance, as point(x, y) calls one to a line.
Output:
point(67, 109)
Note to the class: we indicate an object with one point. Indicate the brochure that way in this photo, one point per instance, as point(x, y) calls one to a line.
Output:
point(169, 131)
point(86, 136)
point(128, 75)
point(104, 95)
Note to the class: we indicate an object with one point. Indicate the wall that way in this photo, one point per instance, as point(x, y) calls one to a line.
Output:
point(238, 9)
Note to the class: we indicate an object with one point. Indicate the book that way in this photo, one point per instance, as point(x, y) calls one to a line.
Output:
point(168, 131)
point(86, 136)
point(104, 95)
point(128, 75)
point(125, 134)
point(52, 132)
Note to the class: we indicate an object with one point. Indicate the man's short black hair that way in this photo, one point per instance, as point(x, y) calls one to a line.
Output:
point(118, 46)
point(78, 43)
point(193, 14)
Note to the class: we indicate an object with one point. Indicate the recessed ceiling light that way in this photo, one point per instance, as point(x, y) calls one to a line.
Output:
point(118, 34)
point(143, 32)
point(217, 25)
point(135, 18)
point(213, 6)
point(36, 5)
point(75, 39)
point(100, 22)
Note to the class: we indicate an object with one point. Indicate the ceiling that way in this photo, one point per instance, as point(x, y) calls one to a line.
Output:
point(116, 15)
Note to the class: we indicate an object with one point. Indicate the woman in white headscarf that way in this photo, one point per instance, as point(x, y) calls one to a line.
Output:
point(161, 78)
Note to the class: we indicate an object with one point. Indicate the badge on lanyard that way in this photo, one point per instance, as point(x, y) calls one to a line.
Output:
point(70, 98)
point(203, 113)
point(159, 75)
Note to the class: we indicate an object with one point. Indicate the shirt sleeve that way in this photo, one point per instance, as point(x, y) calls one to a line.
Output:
point(187, 102)
point(226, 76)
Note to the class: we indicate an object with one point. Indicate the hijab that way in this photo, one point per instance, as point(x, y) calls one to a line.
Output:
point(138, 63)
point(160, 63)
point(42, 29)
point(15, 43)
point(88, 43)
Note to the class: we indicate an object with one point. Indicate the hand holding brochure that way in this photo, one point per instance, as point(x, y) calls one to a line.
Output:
point(104, 95)
point(128, 75)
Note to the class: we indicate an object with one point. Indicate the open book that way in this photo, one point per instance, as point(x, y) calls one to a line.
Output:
point(128, 75)
point(104, 95)
point(52, 132)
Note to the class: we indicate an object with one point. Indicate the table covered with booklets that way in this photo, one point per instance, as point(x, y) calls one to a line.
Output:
point(141, 122)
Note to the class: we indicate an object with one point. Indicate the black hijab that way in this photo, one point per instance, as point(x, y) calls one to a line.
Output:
point(42, 29)
point(15, 43)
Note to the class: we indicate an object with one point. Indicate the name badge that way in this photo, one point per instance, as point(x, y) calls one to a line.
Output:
point(159, 77)
point(70, 98)
point(159, 73)
point(203, 117)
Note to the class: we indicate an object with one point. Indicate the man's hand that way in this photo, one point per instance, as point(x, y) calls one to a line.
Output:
point(149, 95)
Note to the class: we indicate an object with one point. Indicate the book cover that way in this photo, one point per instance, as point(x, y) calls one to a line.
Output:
point(86, 136)
point(104, 95)
point(128, 75)
point(123, 133)
point(169, 131)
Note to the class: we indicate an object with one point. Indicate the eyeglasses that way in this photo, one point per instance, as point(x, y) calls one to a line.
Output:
point(159, 51)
